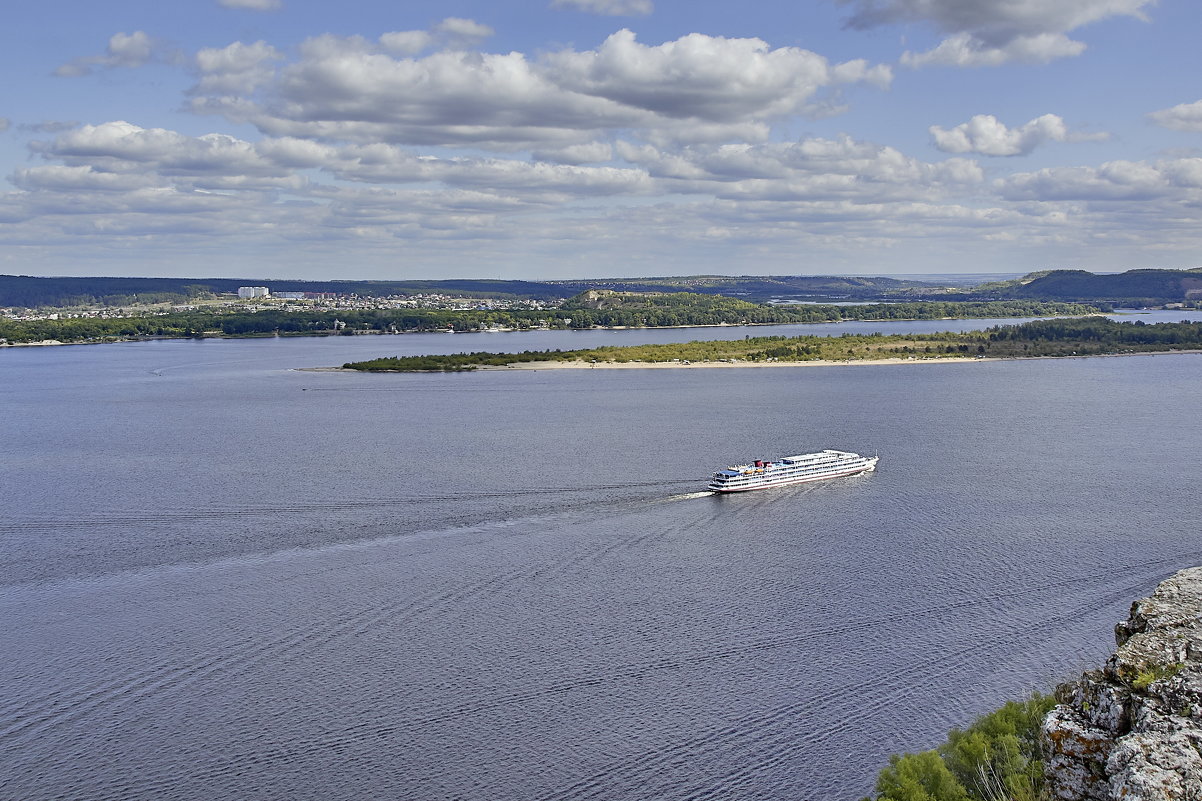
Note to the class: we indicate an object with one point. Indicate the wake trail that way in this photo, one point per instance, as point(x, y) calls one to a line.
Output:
point(27, 719)
point(118, 518)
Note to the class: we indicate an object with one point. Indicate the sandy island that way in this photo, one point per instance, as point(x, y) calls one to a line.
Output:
point(634, 365)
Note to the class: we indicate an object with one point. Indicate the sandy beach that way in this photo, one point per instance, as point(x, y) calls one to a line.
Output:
point(635, 365)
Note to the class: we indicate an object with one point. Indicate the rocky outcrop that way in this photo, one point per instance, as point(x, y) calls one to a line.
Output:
point(1132, 731)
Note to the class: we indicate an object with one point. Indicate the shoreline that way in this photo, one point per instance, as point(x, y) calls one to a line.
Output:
point(270, 335)
point(892, 361)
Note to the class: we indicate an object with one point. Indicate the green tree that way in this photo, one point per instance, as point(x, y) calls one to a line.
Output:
point(998, 758)
point(919, 777)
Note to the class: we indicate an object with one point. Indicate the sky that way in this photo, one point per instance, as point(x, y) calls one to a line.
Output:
point(564, 139)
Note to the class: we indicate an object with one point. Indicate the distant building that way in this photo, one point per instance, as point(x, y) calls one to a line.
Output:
point(253, 292)
point(290, 295)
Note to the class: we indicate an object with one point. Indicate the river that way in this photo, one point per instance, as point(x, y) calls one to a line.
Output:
point(225, 578)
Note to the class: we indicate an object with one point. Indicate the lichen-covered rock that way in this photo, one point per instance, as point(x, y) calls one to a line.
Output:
point(1133, 730)
point(1164, 765)
point(1076, 756)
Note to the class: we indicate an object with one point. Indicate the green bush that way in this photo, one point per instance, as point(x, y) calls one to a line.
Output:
point(997, 758)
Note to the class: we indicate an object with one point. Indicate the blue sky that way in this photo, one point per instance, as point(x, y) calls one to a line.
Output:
point(592, 138)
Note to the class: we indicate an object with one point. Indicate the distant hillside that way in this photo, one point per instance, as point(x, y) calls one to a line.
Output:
point(1140, 287)
point(32, 292)
point(761, 289)
point(638, 301)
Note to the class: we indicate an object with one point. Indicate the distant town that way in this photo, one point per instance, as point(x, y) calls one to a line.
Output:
point(262, 298)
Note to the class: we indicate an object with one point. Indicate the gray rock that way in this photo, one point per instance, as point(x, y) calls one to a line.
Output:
point(1133, 730)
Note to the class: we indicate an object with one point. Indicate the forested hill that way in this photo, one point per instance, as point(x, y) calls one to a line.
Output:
point(1134, 287)
point(762, 288)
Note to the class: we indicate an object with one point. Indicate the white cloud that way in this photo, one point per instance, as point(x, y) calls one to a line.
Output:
point(120, 147)
point(252, 5)
point(496, 176)
point(988, 136)
point(859, 70)
point(992, 21)
point(104, 156)
point(1170, 180)
point(463, 32)
point(449, 97)
point(964, 50)
point(697, 88)
point(697, 76)
point(299, 154)
point(124, 50)
point(129, 50)
point(5, 123)
point(1182, 117)
point(587, 153)
point(826, 170)
point(235, 68)
point(988, 32)
point(83, 178)
point(613, 8)
point(406, 43)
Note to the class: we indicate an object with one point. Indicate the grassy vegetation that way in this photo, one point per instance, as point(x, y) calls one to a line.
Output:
point(1143, 679)
point(1069, 337)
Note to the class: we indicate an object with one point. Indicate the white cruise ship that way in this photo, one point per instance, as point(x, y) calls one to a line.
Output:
point(791, 470)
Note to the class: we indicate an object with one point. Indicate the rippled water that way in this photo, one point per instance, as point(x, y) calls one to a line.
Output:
point(222, 578)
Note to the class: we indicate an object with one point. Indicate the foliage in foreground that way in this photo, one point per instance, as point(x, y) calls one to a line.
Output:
point(997, 758)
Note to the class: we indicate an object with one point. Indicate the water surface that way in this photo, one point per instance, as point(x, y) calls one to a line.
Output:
point(222, 578)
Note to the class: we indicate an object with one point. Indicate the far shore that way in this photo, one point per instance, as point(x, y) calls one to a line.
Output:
point(635, 365)
point(269, 335)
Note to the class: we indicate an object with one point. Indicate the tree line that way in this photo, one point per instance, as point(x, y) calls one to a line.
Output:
point(682, 309)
